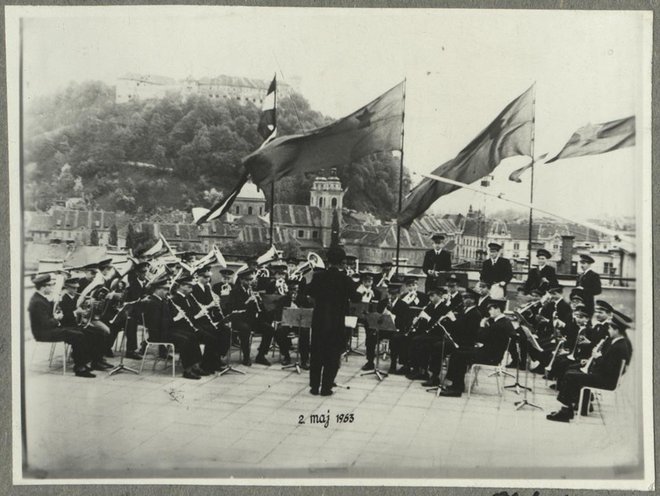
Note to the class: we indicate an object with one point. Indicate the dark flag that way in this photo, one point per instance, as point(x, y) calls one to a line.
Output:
point(201, 215)
point(592, 139)
point(510, 134)
point(376, 127)
point(267, 127)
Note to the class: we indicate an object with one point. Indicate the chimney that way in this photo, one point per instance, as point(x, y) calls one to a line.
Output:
point(564, 264)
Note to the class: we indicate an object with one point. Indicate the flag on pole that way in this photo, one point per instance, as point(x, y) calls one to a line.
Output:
point(376, 127)
point(267, 127)
point(220, 259)
point(515, 175)
point(201, 215)
point(156, 248)
point(510, 134)
point(592, 139)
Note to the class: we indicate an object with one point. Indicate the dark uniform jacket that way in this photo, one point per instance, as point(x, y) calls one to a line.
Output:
point(330, 289)
point(608, 365)
point(501, 271)
point(597, 333)
point(494, 337)
point(420, 299)
point(44, 326)
point(68, 307)
point(590, 283)
point(466, 328)
point(190, 309)
point(456, 303)
point(400, 311)
point(157, 318)
point(435, 261)
point(238, 303)
point(535, 276)
point(482, 305)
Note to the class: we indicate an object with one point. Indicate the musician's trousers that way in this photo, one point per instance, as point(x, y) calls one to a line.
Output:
point(212, 342)
point(574, 380)
point(244, 328)
point(399, 346)
point(323, 368)
point(421, 348)
point(79, 341)
point(221, 335)
point(459, 362)
point(284, 341)
point(560, 366)
point(97, 333)
point(187, 345)
point(437, 355)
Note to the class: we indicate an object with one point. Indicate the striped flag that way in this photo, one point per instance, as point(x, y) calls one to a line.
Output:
point(267, 127)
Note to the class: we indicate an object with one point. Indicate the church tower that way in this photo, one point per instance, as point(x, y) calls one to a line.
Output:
point(327, 195)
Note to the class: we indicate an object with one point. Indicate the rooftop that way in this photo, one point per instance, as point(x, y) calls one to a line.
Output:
point(249, 191)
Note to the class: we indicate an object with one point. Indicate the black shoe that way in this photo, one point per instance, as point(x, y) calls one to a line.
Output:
point(402, 371)
point(108, 354)
point(313, 391)
point(133, 355)
point(553, 386)
point(432, 382)
point(188, 374)
point(538, 370)
point(326, 392)
point(221, 365)
point(368, 366)
point(99, 366)
point(84, 372)
point(420, 376)
point(261, 359)
point(286, 360)
point(106, 364)
point(247, 362)
point(563, 415)
point(512, 365)
point(202, 372)
point(304, 365)
point(451, 393)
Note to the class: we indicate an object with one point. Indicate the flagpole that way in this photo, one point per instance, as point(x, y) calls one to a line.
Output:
point(398, 226)
point(531, 184)
point(272, 185)
point(595, 227)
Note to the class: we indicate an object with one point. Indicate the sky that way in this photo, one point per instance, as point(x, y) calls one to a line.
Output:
point(461, 68)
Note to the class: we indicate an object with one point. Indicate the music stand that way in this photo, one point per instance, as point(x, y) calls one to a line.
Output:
point(298, 318)
point(229, 368)
point(532, 340)
point(379, 322)
point(120, 367)
point(358, 311)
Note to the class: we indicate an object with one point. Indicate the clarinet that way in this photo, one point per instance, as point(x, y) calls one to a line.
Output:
point(205, 310)
point(548, 368)
point(599, 346)
point(182, 313)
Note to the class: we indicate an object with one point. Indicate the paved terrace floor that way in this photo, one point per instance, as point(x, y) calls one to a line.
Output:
point(151, 425)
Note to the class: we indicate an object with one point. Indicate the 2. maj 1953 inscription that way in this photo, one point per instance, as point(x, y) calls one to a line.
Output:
point(324, 419)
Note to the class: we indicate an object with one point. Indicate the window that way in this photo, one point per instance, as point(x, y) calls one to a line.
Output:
point(238, 210)
point(261, 210)
point(607, 267)
point(315, 234)
point(249, 210)
point(321, 202)
point(555, 247)
point(301, 233)
point(516, 246)
point(334, 202)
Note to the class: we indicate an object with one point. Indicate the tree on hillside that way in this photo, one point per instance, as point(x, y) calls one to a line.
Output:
point(94, 238)
point(112, 236)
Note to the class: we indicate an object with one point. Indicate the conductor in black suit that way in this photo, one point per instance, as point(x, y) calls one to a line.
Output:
point(496, 269)
point(330, 291)
point(589, 282)
point(542, 277)
point(435, 260)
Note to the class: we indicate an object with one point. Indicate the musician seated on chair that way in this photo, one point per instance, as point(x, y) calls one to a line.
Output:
point(483, 290)
point(489, 348)
point(411, 295)
point(250, 318)
point(89, 313)
point(198, 321)
point(464, 333)
point(159, 315)
point(577, 346)
point(364, 292)
point(427, 330)
point(293, 275)
point(204, 295)
point(393, 306)
point(602, 370)
point(223, 288)
point(46, 326)
point(278, 286)
point(293, 299)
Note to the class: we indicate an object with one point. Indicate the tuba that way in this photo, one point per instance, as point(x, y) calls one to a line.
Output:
point(313, 261)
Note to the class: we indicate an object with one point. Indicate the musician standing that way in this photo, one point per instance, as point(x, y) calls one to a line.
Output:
point(45, 326)
point(496, 270)
point(250, 317)
point(588, 281)
point(540, 277)
point(602, 373)
point(330, 291)
point(489, 349)
point(436, 260)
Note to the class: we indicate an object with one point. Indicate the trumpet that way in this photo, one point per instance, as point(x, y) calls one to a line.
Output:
point(313, 261)
point(262, 272)
point(256, 298)
point(571, 356)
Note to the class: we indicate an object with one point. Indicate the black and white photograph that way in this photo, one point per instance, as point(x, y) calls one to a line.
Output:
point(331, 246)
